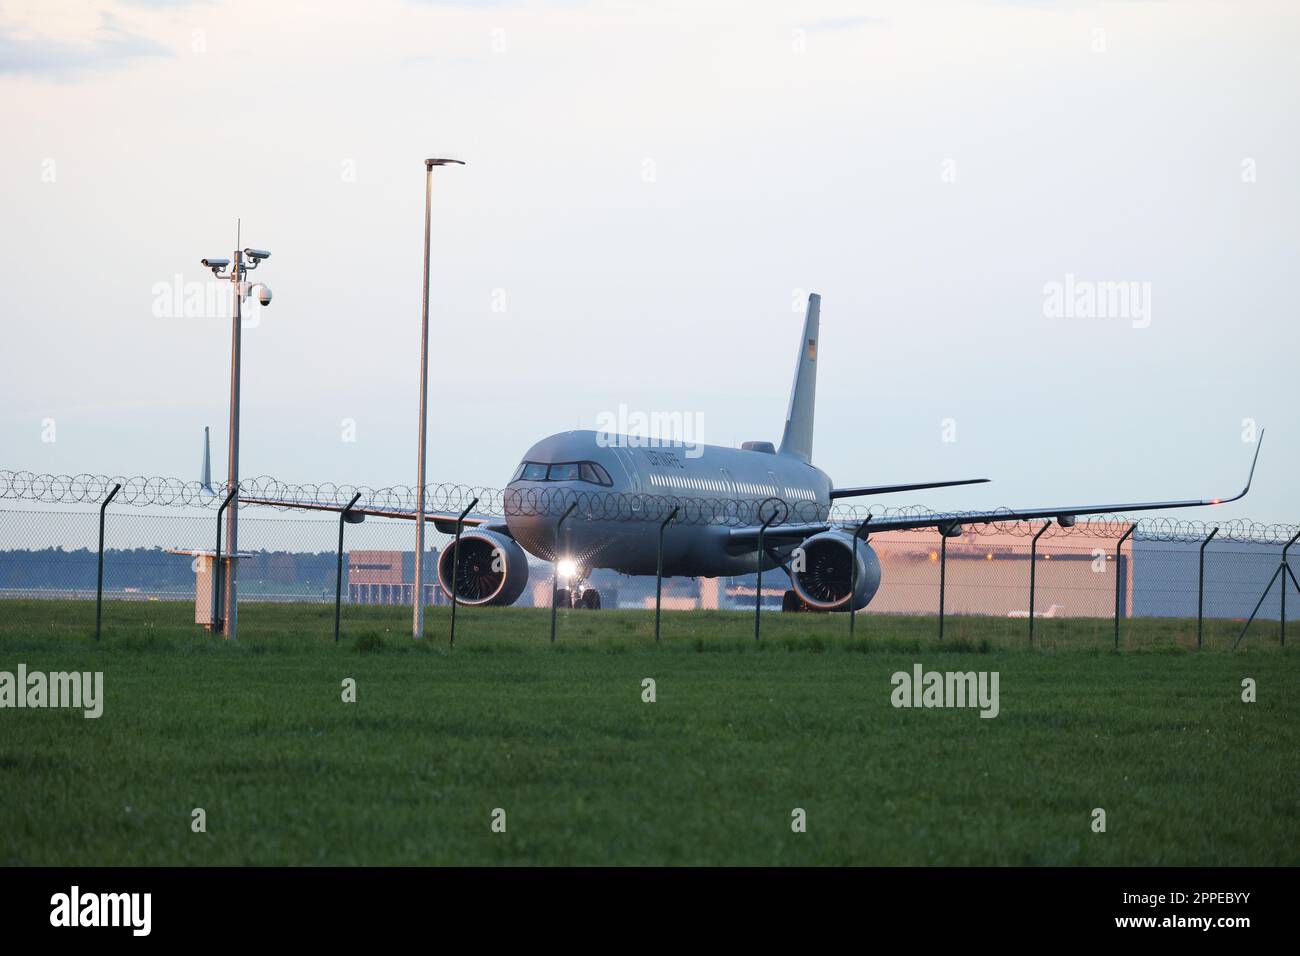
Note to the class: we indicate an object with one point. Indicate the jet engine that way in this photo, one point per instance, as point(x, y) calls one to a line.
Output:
point(828, 575)
point(492, 568)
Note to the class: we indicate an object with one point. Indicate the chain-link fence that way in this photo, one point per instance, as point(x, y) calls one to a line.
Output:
point(164, 554)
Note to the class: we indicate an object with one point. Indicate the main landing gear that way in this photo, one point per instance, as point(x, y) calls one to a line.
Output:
point(790, 601)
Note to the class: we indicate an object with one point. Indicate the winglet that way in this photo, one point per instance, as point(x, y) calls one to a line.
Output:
point(1249, 478)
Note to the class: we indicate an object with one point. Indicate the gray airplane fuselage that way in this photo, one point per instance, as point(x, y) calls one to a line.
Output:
point(614, 528)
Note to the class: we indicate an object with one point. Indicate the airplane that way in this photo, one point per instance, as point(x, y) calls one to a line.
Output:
point(587, 499)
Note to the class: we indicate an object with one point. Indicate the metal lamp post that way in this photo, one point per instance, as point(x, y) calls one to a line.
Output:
point(417, 624)
point(245, 261)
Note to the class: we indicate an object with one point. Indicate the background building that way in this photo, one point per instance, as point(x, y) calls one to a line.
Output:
point(388, 577)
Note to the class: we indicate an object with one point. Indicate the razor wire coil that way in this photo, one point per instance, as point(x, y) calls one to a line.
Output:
point(450, 497)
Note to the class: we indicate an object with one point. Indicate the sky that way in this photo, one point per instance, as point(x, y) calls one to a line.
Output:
point(1056, 242)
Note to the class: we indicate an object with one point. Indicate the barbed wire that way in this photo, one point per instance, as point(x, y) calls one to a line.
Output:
point(447, 497)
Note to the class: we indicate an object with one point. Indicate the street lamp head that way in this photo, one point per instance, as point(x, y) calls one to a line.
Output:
point(430, 163)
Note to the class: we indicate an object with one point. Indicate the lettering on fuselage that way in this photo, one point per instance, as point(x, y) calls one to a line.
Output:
point(664, 459)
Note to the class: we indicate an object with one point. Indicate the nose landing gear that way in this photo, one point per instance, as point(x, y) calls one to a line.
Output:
point(578, 595)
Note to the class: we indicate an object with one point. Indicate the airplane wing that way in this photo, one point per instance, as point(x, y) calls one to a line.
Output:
point(861, 490)
point(950, 523)
point(443, 521)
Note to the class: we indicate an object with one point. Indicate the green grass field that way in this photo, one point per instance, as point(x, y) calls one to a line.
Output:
point(256, 733)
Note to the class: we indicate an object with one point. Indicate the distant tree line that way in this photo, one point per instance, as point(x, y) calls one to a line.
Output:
point(151, 569)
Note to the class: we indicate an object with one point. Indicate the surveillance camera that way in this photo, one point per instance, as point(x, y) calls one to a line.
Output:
point(263, 293)
point(215, 263)
point(258, 254)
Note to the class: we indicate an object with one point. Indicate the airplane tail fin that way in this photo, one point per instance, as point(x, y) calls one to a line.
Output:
point(798, 436)
point(205, 478)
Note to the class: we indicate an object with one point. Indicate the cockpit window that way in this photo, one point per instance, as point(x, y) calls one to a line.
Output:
point(588, 471)
point(595, 474)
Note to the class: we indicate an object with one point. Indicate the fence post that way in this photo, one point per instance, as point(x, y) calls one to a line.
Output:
point(555, 568)
point(1033, 572)
point(758, 589)
point(1200, 588)
point(1291, 575)
point(853, 573)
point(1260, 603)
point(99, 582)
point(1119, 576)
point(943, 574)
point(1287, 568)
point(659, 568)
point(345, 516)
point(455, 568)
point(218, 592)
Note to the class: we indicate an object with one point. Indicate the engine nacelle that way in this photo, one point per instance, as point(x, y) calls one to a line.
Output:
point(828, 575)
point(493, 569)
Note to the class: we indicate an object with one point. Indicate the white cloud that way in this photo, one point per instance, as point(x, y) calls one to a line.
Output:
point(109, 44)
